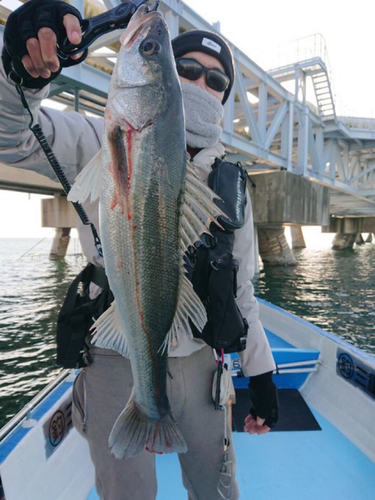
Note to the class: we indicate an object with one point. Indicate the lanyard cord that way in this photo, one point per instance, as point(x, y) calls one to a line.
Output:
point(52, 160)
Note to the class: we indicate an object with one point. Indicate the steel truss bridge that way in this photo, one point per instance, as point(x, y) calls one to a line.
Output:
point(266, 127)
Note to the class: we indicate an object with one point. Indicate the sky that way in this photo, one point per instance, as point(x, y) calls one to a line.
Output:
point(263, 30)
point(260, 29)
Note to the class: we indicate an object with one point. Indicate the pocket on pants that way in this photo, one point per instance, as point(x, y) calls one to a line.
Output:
point(79, 403)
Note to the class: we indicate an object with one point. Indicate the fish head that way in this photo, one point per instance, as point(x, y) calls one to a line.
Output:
point(145, 77)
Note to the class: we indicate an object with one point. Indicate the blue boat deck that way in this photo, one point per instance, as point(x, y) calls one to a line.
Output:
point(306, 465)
point(296, 465)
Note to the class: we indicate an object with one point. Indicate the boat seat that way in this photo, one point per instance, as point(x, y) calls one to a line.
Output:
point(293, 364)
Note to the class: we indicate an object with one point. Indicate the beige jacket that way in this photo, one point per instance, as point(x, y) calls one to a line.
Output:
point(74, 139)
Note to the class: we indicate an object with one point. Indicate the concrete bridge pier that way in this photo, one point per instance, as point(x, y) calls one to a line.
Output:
point(274, 248)
point(369, 238)
point(59, 213)
point(349, 230)
point(298, 240)
point(60, 243)
point(282, 198)
point(343, 241)
point(359, 239)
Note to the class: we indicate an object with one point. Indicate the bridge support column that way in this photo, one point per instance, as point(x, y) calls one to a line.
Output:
point(285, 198)
point(59, 213)
point(359, 239)
point(274, 248)
point(369, 238)
point(60, 243)
point(343, 240)
point(298, 241)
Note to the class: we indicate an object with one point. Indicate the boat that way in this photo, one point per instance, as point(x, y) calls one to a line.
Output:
point(323, 446)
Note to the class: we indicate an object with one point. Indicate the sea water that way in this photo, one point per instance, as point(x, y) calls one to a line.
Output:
point(333, 289)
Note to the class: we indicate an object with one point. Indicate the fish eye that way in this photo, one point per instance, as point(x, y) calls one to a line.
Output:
point(150, 47)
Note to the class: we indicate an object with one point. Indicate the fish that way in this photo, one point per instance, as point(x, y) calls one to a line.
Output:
point(152, 206)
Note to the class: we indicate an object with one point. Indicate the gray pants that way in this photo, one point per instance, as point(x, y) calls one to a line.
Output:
point(101, 392)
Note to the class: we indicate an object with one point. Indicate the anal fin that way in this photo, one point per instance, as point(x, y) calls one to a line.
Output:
point(189, 307)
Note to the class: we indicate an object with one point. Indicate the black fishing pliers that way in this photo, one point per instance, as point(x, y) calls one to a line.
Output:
point(94, 27)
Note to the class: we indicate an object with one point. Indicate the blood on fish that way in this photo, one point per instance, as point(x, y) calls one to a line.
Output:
point(118, 167)
point(153, 451)
point(121, 166)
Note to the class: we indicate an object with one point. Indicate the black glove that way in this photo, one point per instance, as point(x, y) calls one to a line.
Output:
point(24, 23)
point(264, 400)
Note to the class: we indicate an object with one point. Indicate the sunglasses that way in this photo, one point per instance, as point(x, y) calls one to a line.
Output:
point(193, 70)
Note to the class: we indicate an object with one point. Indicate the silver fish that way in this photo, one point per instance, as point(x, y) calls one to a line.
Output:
point(152, 206)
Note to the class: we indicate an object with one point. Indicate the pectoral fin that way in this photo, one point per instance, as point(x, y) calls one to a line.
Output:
point(88, 181)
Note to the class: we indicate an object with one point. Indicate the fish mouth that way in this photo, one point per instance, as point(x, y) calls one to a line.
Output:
point(141, 18)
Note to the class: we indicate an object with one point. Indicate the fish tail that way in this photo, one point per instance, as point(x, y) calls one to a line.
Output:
point(132, 433)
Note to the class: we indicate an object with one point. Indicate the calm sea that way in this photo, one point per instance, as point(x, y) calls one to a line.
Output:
point(334, 290)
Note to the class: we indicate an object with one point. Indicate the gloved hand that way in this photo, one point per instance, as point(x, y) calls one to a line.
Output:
point(264, 408)
point(29, 51)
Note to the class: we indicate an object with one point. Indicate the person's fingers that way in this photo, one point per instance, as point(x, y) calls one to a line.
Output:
point(262, 430)
point(42, 58)
point(33, 48)
point(255, 426)
point(48, 48)
point(249, 419)
point(250, 424)
point(29, 66)
point(73, 31)
point(73, 28)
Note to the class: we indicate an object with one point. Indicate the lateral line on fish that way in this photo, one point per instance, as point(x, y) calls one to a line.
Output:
point(152, 355)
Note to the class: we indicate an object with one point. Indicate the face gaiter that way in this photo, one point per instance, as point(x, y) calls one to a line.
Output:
point(203, 115)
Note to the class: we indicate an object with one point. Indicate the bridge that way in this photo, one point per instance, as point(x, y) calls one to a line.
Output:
point(282, 124)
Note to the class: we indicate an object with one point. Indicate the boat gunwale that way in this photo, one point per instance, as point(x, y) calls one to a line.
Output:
point(327, 334)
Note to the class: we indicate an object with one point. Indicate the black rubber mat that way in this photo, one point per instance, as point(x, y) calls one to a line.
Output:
point(294, 413)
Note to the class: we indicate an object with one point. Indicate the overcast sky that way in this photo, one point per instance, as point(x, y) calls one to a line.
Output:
point(258, 28)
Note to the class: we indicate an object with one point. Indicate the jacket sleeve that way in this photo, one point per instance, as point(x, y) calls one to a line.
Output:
point(257, 357)
point(74, 137)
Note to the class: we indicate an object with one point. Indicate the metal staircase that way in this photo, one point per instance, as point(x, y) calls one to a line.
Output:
point(323, 93)
point(315, 69)
point(308, 57)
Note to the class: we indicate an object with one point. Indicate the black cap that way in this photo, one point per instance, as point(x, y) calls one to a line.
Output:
point(209, 43)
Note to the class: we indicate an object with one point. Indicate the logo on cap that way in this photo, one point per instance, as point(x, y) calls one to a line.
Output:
point(211, 44)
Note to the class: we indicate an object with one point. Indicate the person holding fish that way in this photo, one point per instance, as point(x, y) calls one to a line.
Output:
point(147, 384)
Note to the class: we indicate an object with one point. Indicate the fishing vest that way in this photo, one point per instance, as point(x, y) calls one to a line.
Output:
point(210, 265)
